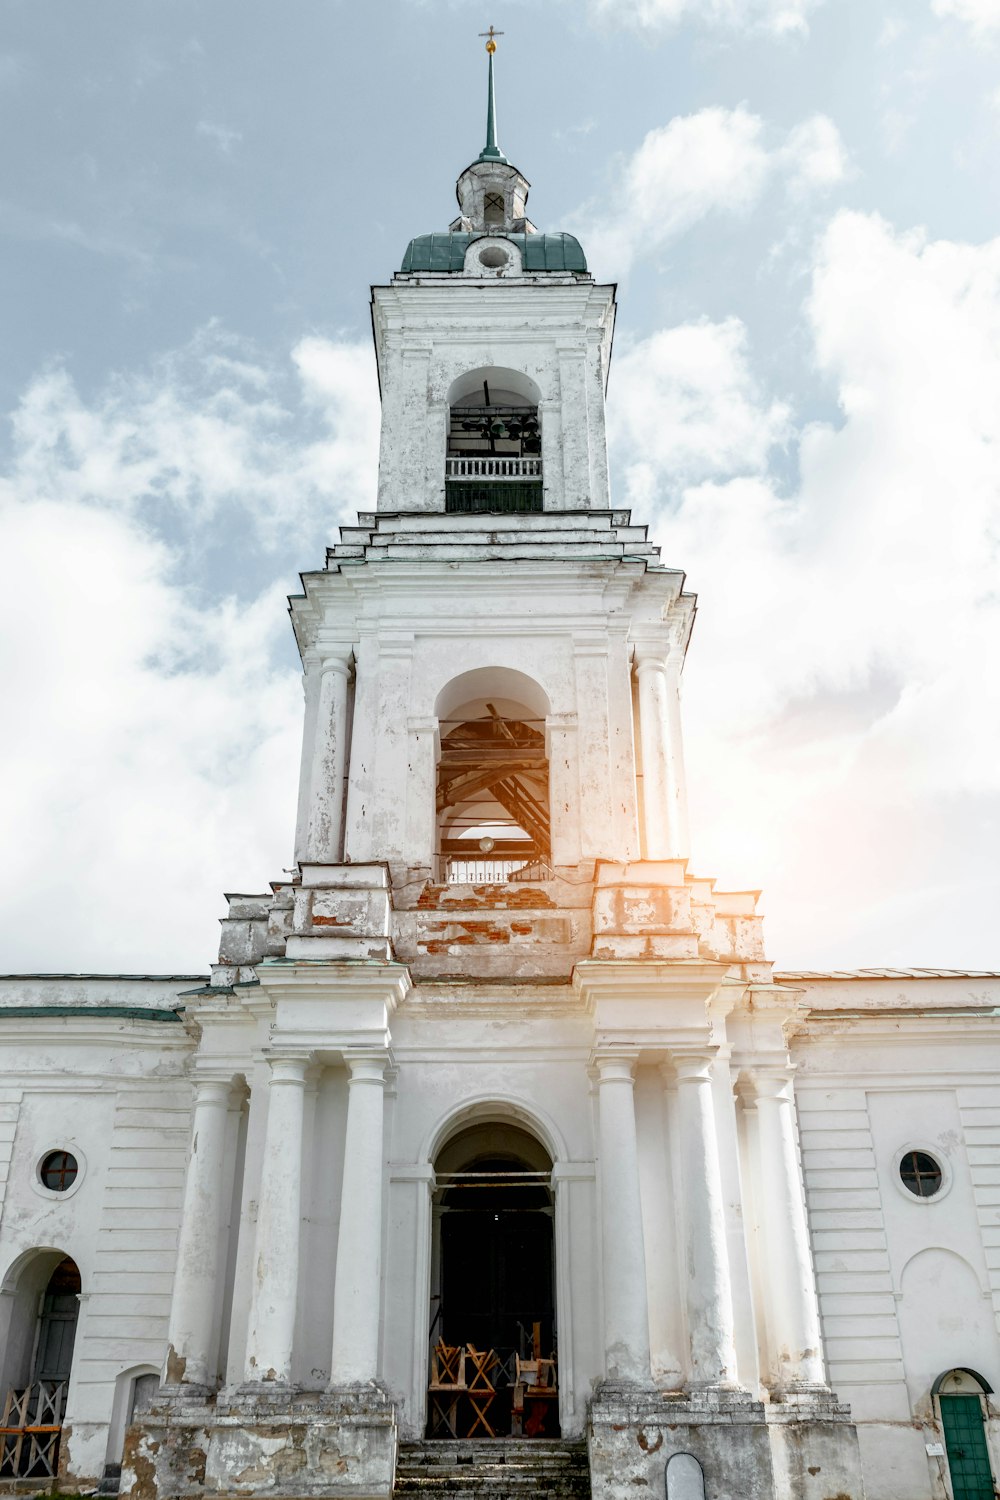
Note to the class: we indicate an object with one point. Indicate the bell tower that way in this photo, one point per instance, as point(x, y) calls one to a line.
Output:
point(494, 969)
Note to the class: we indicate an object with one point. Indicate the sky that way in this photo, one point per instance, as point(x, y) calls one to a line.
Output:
point(800, 203)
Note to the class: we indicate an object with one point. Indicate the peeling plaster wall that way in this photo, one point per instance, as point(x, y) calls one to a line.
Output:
point(554, 331)
point(909, 1288)
point(112, 1090)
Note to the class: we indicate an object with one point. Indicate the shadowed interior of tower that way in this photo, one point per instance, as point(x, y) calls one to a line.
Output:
point(493, 797)
point(494, 460)
point(493, 1336)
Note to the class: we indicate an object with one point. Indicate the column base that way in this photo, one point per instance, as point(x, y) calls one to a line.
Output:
point(634, 1435)
point(277, 1439)
point(814, 1445)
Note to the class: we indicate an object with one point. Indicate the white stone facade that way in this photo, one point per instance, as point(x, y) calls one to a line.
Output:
point(263, 1156)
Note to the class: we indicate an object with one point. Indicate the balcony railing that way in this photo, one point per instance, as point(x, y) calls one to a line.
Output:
point(493, 466)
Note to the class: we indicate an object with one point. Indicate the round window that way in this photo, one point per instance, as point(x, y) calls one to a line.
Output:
point(920, 1174)
point(58, 1171)
point(493, 257)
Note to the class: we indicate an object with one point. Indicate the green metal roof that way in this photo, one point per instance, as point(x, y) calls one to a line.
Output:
point(539, 252)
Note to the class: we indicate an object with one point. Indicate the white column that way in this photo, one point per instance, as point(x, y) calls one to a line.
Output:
point(664, 796)
point(357, 1290)
point(793, 1310)
point(192, 1351)
point(706, 1257)
point(325, 818)
point(626, 1311)
point(275, 1269)
point(310, 694)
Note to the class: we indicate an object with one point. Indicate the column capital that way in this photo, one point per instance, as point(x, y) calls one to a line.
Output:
point(367, 1067)
point(336, 659)
point(288, 1067)
point(211, 1090)
point(769, 1081)
point(693, 1065)
point(616, 1066)
point(648, 655)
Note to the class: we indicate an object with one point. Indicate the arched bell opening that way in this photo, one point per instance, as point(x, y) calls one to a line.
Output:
point(494, 453)
point(41, 1313)
point(494, 1362)
point(493, 794)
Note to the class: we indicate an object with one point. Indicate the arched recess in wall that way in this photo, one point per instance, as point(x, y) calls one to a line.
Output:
point(493, 819)
point(135, 1389)
point(944, 1323)
point(494, 444)
point(38, 1318)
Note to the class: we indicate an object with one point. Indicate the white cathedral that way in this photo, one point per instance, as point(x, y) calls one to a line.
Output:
point(494, 1156)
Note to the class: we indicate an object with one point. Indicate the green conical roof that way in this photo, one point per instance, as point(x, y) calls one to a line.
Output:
point(491, 151)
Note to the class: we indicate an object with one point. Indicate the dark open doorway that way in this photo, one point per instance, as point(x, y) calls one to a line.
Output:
point(493, 1315)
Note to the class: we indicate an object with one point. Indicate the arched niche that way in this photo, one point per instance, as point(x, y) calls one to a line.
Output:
point(944, 1322)
point(135, 1391)
point(492, 784)
point(685, 1478)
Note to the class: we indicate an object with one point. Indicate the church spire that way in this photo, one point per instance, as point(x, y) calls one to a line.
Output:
point(491, 151)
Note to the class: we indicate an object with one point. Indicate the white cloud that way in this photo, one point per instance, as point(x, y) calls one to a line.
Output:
point(684, 405)
point(221, 136)
point(716, 160)
point(153, 727)
point(841, 692)
point(814, 155)
point(778, 17)
point(207, 430)
point(983, 16)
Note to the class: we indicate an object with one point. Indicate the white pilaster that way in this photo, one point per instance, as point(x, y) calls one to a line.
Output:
point(192, 1355)
point(310, 694)
point(796, 1358)
point(626, 1311)
point(706, 1258)
point(564, 787)
point(325, 820)
point(271, 1331)
point(664, 793)
point(356, 1294)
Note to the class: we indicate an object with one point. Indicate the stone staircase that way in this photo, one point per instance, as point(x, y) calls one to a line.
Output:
point(505, 1469)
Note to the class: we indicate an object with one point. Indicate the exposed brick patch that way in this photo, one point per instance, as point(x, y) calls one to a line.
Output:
point(484, 897)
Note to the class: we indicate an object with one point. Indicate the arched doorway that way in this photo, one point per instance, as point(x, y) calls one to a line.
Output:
point(493, 1283)
point(961, 1396)
point(37, 1363)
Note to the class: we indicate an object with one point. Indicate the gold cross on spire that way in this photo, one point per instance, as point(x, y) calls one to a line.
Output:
point(491, 45)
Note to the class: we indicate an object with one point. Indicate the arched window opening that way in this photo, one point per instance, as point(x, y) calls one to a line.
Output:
point(494, 1365)
point(961, 1396)
point(493, 796)
point(494, 212)
point(494, 460)
point(38, 1360)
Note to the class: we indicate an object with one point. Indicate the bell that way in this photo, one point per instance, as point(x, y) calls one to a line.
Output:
point(498, 429)
point(487, 844)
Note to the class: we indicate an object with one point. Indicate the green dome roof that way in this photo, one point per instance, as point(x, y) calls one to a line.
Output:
point(539, 252)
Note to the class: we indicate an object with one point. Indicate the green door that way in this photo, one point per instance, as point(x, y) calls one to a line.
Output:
point(965, 1440)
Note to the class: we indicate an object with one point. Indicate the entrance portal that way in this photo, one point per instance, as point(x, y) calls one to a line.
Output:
point(38, 1359)
point(493, 1331)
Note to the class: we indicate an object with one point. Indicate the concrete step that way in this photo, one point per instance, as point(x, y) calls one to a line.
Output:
point(505, 1469)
